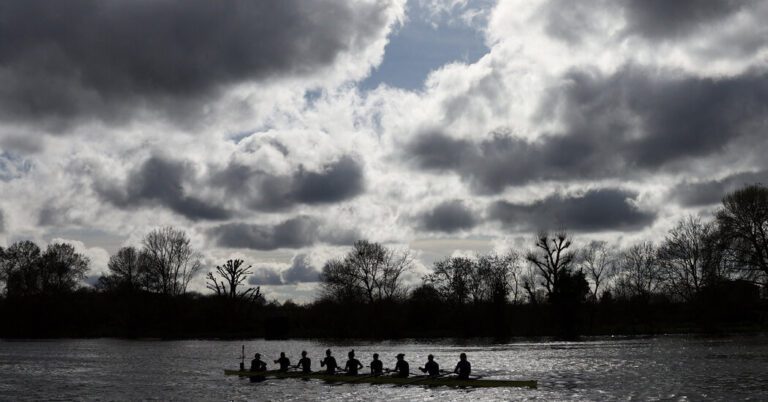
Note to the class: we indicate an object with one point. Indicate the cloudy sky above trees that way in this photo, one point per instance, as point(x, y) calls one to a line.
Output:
point(280, 132)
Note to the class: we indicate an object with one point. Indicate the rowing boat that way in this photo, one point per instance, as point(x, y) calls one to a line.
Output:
point(386, 379)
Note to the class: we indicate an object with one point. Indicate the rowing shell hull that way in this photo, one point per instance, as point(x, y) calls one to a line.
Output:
point(385, 379)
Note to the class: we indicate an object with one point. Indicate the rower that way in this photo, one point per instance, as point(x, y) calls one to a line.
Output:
point(353, 365)
point(329, 362)
point(283, 362)
point(463, 368)
point(431, 368)
point(401, 368)
point(257, 365)
point(305, 363)
point(377, 367)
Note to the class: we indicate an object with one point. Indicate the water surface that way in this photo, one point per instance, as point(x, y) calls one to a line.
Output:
point(660, 368)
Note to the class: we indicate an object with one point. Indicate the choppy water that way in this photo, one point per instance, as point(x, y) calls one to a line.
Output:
point(661, 368)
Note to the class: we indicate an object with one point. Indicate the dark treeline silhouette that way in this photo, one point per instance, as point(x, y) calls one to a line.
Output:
point(703, 276)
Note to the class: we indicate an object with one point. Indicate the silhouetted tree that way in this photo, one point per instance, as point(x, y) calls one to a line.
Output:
point(598, 264)
point(452, 277)
point(19, 269)
point(551, 257)
point(743, 221)
point(498, 277)
point(369, 272)
point(62, 268)
point(171, 261)
point(233, 274)
point(640, 275)
point(688, 259)
point(127, 270)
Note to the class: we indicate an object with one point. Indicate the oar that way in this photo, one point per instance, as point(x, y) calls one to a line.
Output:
point(365, 376)
point(428, 377)
point(242, 359)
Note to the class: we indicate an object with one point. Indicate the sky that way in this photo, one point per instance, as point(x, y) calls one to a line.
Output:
point(281, 132)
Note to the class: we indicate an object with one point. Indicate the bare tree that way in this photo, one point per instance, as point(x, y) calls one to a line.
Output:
point(452, 278)
point(743, 221)
point(19, 268)
point(599, 264)
point(529, 283)
point(127, 270)
point(171, 261)
point(498, 277)
point(62, 268)
point(551, 258)
point(370, 272)
point(688, 257)
point(232, 275)
point(640, 274)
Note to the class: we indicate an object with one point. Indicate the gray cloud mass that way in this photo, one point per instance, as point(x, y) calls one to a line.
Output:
point(335, 182)
point(594, 211)
point(100, 59)
point(635, 121)
point(448, 217)
point(300, 271)
point(709, 192)
point(298, 232)
point(160, 181)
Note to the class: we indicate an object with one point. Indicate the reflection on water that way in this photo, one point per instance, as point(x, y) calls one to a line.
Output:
point(676, 368)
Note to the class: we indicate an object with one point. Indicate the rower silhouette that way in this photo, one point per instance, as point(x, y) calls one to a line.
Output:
point(329, 362)
point(401, 368)
point(283, 362)
point(463, 368)
point(258, 365)
point(305, 363)
point(353, 365)
point(377, 366)
point(431, 367)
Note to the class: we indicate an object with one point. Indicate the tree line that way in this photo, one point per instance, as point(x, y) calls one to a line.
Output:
point(554, 287)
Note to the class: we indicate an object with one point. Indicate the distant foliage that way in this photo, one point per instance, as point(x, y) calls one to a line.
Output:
point(486, 278)
point(25, 271)
point(228, 277)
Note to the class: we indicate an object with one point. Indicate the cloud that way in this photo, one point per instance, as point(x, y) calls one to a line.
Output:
point(2, 221)
point(708, 192)
point(337, 181)
point(658, 19)
point(635, 121)
point(299, 271)
point(595, 210)
point(298, 232)
point(161, 181)
point(102, 59)
point(448, 217)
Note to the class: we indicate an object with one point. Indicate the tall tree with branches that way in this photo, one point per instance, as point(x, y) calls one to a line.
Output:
point(232, 274)
point(171, 260)
point(599, 265)
point(551, 257)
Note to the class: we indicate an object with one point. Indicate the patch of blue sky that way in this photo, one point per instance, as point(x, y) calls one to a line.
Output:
point(424, 43)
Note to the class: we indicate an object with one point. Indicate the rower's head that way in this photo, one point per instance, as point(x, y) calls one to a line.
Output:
point(257, 355)
point(400, 356)
point(303, 353)
point(282, 354)
point(463, 356)
point(375, 356)
point(351, 353)
point(327, 352)
point(430, 357)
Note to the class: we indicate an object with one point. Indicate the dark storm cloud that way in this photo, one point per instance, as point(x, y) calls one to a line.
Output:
point(712, 191)
point(632, 122)
point(337, 181)
point(449, 216)
point(594, 211)
point(658, 19)
point(300, 271)
point(100, 59)
point(160, 181)
point(298, 232)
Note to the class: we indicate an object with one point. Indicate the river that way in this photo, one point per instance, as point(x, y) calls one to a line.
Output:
point(658, 368)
